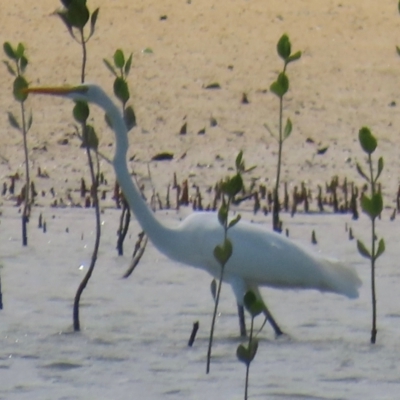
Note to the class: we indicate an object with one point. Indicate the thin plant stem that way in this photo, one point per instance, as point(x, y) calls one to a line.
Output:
point(26, 209)
point(216, 300)
point(84, 55)
point(278, 170)
point(246, 386)
point(85, 280)
point(213, 320)
point(373, 290)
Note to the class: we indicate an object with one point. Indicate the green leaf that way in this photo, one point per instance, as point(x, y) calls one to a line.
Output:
point(270, 131)
point(239, 163)
point(243, 354)
point(90, 138)
point(223, 215)
point(147, 50)
point(64, 18)
point(361, 172)
point(294, 57)
point(78, 14)
point(246, 354)
point(372, 206)
point(380, 168)
point(223, 252)
point(250, 169)
point(13, 121)
point(10, 69)
point(288, 129)
point(119, 58)
point(129, 118)
point(81, 111)
point(234, 221)
point(9, 51)
point(128, 65)
point(213, 288)
point(23, 62)
point(284, 47)
point(253, 346)
point(253, 305)
point(110, 67)
point(121, 90)
point(381, 248)
point(398, 6)
point(93, 20)
point(19, 85)
point(232, 186)
point(363, 250)
point(19, 52)
point(367, 140)
point(398, 50)
point(30, 120)
point(281, 85)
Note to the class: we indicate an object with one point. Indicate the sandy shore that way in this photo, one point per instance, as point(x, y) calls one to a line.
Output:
point(346, 78)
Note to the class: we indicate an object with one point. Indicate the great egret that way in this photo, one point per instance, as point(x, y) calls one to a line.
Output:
point(260, 257)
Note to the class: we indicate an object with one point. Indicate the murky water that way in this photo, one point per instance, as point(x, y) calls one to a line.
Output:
point(134, 339)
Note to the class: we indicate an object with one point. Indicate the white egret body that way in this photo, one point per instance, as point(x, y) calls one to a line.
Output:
point(260, 257)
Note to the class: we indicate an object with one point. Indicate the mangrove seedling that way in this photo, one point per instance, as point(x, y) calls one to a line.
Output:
point(76, 16)
point(372, 206)
point(230, 187)
point(120, 68)
point(280, 87)
point(247, 351)
point(16, 66)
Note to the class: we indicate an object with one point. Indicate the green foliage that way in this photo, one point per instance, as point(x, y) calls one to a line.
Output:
point(246, 354)
point(367, 141)
point(284, 47)
point(223, 252)
point(89, 138)
point(288, 129)
point(81, 112)
point(17, 57)
point(19, 86)
point(232, 186)
point(281, 86)
point(120, 68)
point(121, 90)
point(253, 305)
point(373, 205)
point(247, 351)
point(129, 118)
point(75, 15)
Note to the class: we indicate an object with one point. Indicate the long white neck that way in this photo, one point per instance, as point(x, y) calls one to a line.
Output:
point(159, 234)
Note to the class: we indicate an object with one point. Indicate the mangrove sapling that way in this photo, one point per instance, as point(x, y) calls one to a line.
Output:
point(247, 351)
point(230, 187)
point(75, 15)
point(280, 87)
point(16, 67)
point(120, 68)
point(371, 205)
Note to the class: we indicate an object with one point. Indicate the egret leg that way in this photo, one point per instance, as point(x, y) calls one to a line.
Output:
point(271, 320)
point(242, 320)
point(267, 313)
